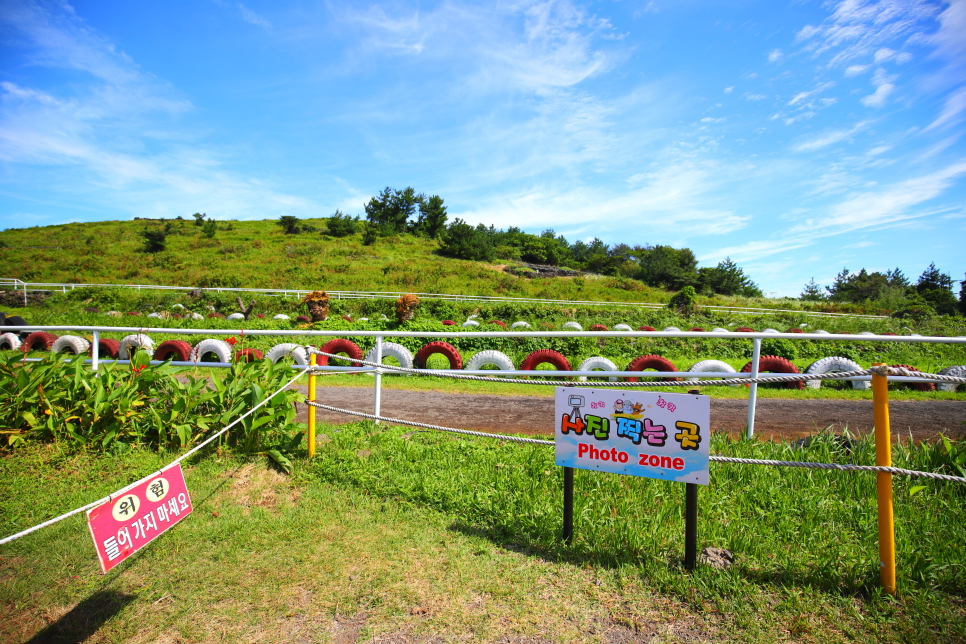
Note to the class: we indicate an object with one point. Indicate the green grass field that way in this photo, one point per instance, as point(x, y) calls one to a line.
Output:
point(390, 533)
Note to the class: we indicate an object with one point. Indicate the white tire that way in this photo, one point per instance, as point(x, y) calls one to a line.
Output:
point(520, 325)
point(622, 327)
point(770, 331)
point(362, 320)
point(70, 343)
point(866, 333)
point(709, 366)
point(236, 316)
point(573, 325)
point(670, 328)
point(393, 350)
point(281, 316)
point(9, 341)
point(471, 323)
point(177, 306)
point(154, 315)
point(594, 363)
point(835, 364)
point(472, 317)
point(136, 341)
point(114, 314)
point(822, 331)
point(718, 329)
point(288, 349)
point(196, 316)
point(490, 357)
point(220, 348)
point(958, 372)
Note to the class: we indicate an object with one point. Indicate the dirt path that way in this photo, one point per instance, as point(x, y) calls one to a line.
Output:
point(774, 417)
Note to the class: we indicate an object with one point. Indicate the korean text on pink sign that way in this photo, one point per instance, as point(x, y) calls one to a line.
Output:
point(639, 433)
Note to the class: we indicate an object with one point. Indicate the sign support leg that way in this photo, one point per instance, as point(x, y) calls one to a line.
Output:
point(691, 525)
point(883, 482)
point(568, 509)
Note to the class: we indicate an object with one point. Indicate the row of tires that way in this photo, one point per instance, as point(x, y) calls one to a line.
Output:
point(214, 350)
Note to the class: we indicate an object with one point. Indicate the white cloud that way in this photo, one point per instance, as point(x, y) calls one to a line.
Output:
point(883, 55)
point(728, 90)
point(952, 112)
point(253, 18)
point(878, 98)
point(755, 97)
point(828, 138)
point(774, 55)
point(855, 70)
point(802, 96)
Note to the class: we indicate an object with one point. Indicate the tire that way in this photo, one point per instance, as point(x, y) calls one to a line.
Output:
point(918, 386)
point(299, 318)
point(718, 329)
point(471, 323)
point(709, 366)
point(598, 327)
point(9, 341)
point(339, 345)
point(154, 315)
point(769, 331)
point(959, 372)
point(280, 316)
point(744, 329)
point(220, 348)
point(866, 333)
point(794, 331)
point(449, 323)
point(70, 343)
point(288, 349)
point(622, 327)
point(597, 362)
point(696, 328)
point(393, 350)
point(520, 325)
point(821, 331)
point(248, 355)
point(445, 348)
point(497, 359)
point(658, 363)
point(107, 348)
point(573, 325)
point(545, 356)
point(671, 328)
point(135, 341)
point(216, 315)
point(38, 341)
point(498, 322)
point(178, 350)
point(646, 328)
point(775, 364)
point(236, 316)
point(834, 364)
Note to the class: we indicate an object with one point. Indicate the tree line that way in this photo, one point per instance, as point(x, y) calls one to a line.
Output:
point(932, 293)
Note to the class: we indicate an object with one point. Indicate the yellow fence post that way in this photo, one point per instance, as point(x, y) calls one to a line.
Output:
point(313, 360)
point(883, 480)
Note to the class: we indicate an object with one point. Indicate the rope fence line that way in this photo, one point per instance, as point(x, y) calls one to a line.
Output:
point(790, 377)
point(714, 458)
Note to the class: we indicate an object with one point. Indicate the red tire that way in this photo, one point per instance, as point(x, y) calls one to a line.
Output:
point(744, 329)
point(260, 316)
point(348, 318)
point(695, 328)
point(658, 363)
point(449, 323)
point(545, 356)
point(445, 348)
point(775, 364)
point(794, 331)
point(918, 386)
point(499, 322)
point(598, 327)
point(248, 355)
point(108, 348)
point(132, 313)
point(179, 349)
point(177, 316)
point(339, 345)
point(890, 334)
point(303, 318)
point(646, 328)
point(38, 341)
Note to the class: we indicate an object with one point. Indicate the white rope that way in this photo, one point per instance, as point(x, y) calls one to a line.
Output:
point(717, 459)
point(108, 498)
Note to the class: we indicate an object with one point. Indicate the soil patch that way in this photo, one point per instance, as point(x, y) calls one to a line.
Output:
point(775, 418)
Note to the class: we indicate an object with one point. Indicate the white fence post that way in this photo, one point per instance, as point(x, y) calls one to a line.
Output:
point(753, 391)
point(95, 349)
point(377, 405)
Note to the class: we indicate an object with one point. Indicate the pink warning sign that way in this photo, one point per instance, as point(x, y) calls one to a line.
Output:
point(135, 517)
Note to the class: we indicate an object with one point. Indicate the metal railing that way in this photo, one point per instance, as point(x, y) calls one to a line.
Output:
point(352, 295)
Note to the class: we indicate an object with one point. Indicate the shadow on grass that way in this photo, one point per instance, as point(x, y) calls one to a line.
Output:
point(85, 619)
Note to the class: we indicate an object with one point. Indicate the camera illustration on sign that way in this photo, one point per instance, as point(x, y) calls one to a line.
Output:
point(639, 433)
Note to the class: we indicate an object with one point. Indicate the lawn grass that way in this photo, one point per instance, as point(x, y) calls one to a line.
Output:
point(390, 533)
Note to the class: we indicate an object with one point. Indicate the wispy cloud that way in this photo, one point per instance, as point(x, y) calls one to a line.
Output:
point(803, 96)
point(253, 18)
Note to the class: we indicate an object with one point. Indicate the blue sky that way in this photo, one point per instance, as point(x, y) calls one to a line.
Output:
point(797, 138)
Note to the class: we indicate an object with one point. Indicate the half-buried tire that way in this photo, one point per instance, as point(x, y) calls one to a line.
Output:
point(288, 350)
point(211, 348)
point(176, 350)
point(709, 366)
point(339, 345)
point(835, 364)
point(595, 363)
point(490, 358)
point(9, 341)
point(248, 355)
point(918, 386)
point(445, 349)
point(656, 362)
point(393, 350)
point(134, 342)
point(107, 348)
point(775, 364)
point(71, 344)
point(38, 341)
point(545, 356)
